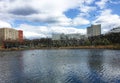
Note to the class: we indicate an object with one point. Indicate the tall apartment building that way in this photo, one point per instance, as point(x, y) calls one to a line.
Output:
point(9, 34)
point(94, 30)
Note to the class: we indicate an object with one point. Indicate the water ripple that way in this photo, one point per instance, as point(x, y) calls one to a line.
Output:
point(60, 66)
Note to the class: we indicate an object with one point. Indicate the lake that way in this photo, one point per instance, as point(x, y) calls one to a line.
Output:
point(60, 66)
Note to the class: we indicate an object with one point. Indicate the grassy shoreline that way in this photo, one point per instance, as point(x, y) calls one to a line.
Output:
point(115, 47)
point(93, 47)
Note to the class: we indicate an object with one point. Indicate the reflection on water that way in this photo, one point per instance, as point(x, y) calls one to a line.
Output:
point(60, 66)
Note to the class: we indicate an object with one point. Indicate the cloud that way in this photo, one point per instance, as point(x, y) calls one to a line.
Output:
point(23, 11)
point(45, 11)
point(87, 9)
point(50, 19)
point(50, 15)
point(114, 2)
point(107, 20)
point(67, 30)
point(4, 24)
point(41, 6)
point(88, 1)
point(102, 3)
point(45, 31)
point(80, 21)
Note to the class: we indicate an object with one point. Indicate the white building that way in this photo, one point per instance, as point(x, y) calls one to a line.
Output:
point(67, 36)
point(75, 36)
point(57, 36)
point(8, 34)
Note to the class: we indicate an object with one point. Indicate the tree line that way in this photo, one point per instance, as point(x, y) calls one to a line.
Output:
point(106, 39)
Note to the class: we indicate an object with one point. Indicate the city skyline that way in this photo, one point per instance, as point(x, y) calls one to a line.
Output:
point(41, 18)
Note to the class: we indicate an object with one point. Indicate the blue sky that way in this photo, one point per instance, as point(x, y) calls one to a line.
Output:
point(42, 18)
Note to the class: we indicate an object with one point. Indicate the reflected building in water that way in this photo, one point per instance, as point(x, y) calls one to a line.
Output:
point(96, 59)
point(11, 71)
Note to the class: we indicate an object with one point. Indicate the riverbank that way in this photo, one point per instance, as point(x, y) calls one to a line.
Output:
point(93, 47)
point(116, 47)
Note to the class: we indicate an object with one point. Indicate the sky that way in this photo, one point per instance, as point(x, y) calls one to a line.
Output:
point(42, 18)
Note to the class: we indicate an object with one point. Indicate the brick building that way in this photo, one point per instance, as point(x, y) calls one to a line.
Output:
point(20, 35)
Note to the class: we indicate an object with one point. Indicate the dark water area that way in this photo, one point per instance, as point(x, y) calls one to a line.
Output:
point(60, 66)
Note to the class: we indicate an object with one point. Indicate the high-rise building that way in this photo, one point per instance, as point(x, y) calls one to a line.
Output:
point(10, 34)
point(94, 30)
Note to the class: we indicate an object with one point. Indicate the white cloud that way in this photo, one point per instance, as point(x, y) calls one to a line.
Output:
point(43, 31)
point(102, 3)
point(87, 9)
point(89, 1)
point(45, 8)
point(55, 5)
point(114, 2)
point(67, 30)
point(51, 13)
point(45, 11)
point(5, 24)
point(80, 21)
point(108, 20)
point(34, 31)
point(33, 35)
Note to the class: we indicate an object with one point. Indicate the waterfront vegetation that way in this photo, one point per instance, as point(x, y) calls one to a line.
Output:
point(111, 40)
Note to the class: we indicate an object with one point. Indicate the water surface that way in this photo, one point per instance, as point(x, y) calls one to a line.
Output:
point(60, 66)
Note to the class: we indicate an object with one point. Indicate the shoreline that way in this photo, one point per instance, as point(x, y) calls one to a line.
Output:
point(114, 47)
point(94, 47)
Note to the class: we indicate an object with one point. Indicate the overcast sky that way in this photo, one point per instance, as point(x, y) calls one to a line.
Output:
point(41, 18)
